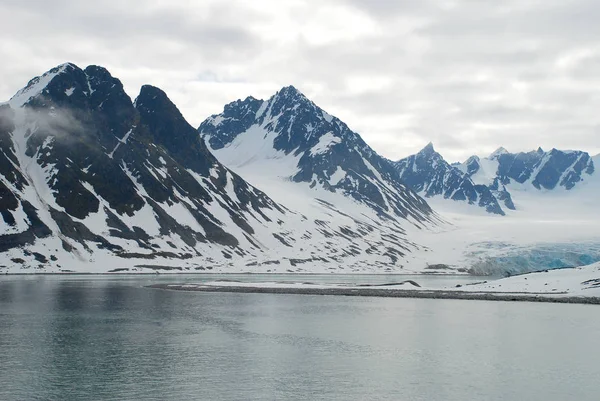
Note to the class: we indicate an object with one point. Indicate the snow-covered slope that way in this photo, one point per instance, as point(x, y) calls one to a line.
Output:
point(312, 162)
point(300, 142)
point(91, 181)
point(571, 285)
point(498, 182)
point(541, 170)
point(549, 200)
point(575, 282)
point(430, 175)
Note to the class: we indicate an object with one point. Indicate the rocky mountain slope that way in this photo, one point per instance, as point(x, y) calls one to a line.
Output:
point(497, 181)
point(317, 149)
point(430, 175)
point(91, 181)
point(312, 162)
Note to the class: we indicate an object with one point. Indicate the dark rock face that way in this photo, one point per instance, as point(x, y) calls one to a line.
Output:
point(427, 172)
point(324, 145)
point(545, 170)
point(241, 115)
point(8, 201)
point(88, 176)
point(98, 152)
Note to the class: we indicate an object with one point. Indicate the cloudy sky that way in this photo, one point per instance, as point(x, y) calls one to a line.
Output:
point(468, 75)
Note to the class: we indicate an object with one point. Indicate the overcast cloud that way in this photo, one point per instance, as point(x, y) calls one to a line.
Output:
point(467, 75)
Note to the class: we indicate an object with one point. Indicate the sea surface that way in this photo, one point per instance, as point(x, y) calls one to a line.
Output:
point(111, 338)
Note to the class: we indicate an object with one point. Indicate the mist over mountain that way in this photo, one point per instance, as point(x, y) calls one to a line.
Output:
point(91, 181)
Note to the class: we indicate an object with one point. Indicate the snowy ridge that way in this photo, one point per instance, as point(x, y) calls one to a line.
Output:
point(315, 146)
point(94, 182)
point(496, 182)
point(91, 181)
point(37, 85)
point(312, 163)
point(549, 202)
point(431, 176)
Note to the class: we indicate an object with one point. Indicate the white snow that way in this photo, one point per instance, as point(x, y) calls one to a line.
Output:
point(37, 86)
point(575, 282)
point(261, 109)
point(216, 120)
point(487, 171)
point(498, 152)
point(69, 91)
point(337, 176)
point(326, 141)
point(121, 141)
point(580, 282)
point(276, 284)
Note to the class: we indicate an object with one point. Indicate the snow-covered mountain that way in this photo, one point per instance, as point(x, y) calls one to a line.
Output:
point(495, 182)
point(91, 181)
point(430, 175)
point(542, 170)
point(312, 162)
point(315, 147)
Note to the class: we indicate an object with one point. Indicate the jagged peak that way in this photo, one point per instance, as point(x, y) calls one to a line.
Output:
point(151, 90)
point(496, 153)
point(98, 71)
point(290, 94)
point(428, 149)
point(251, 99)
point(289, 90)
point(472, 161)
point(239, 103)
point(540, 150)
point(153, 99)
point(37, 85)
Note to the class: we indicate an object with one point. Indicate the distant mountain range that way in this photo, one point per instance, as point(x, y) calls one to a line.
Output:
point(492, 181)
point(91, 181)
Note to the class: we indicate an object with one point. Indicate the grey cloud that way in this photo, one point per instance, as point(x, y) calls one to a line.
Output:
point(468, 75)
point(214, 33)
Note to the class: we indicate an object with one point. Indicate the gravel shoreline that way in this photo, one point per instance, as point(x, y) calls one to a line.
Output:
point(389, 293)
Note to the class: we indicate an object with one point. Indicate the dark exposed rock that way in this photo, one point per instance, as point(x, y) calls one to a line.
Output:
point(324, 145)
point(428, 173)
point(102, 154)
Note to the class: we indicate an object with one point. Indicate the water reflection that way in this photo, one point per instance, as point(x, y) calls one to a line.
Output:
point(78, 338)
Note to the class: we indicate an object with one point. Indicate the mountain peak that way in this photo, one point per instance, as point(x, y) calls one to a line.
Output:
point(152, 98)
point(323, 152)
point(289, 90)
point(150, 90)
point(38, 84)
point(500, 151)
point(289, 94)
point(428, 149)
point(168, 128)
point(472, 159)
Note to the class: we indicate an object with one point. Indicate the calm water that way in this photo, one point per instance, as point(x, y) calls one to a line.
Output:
point(64, 338)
